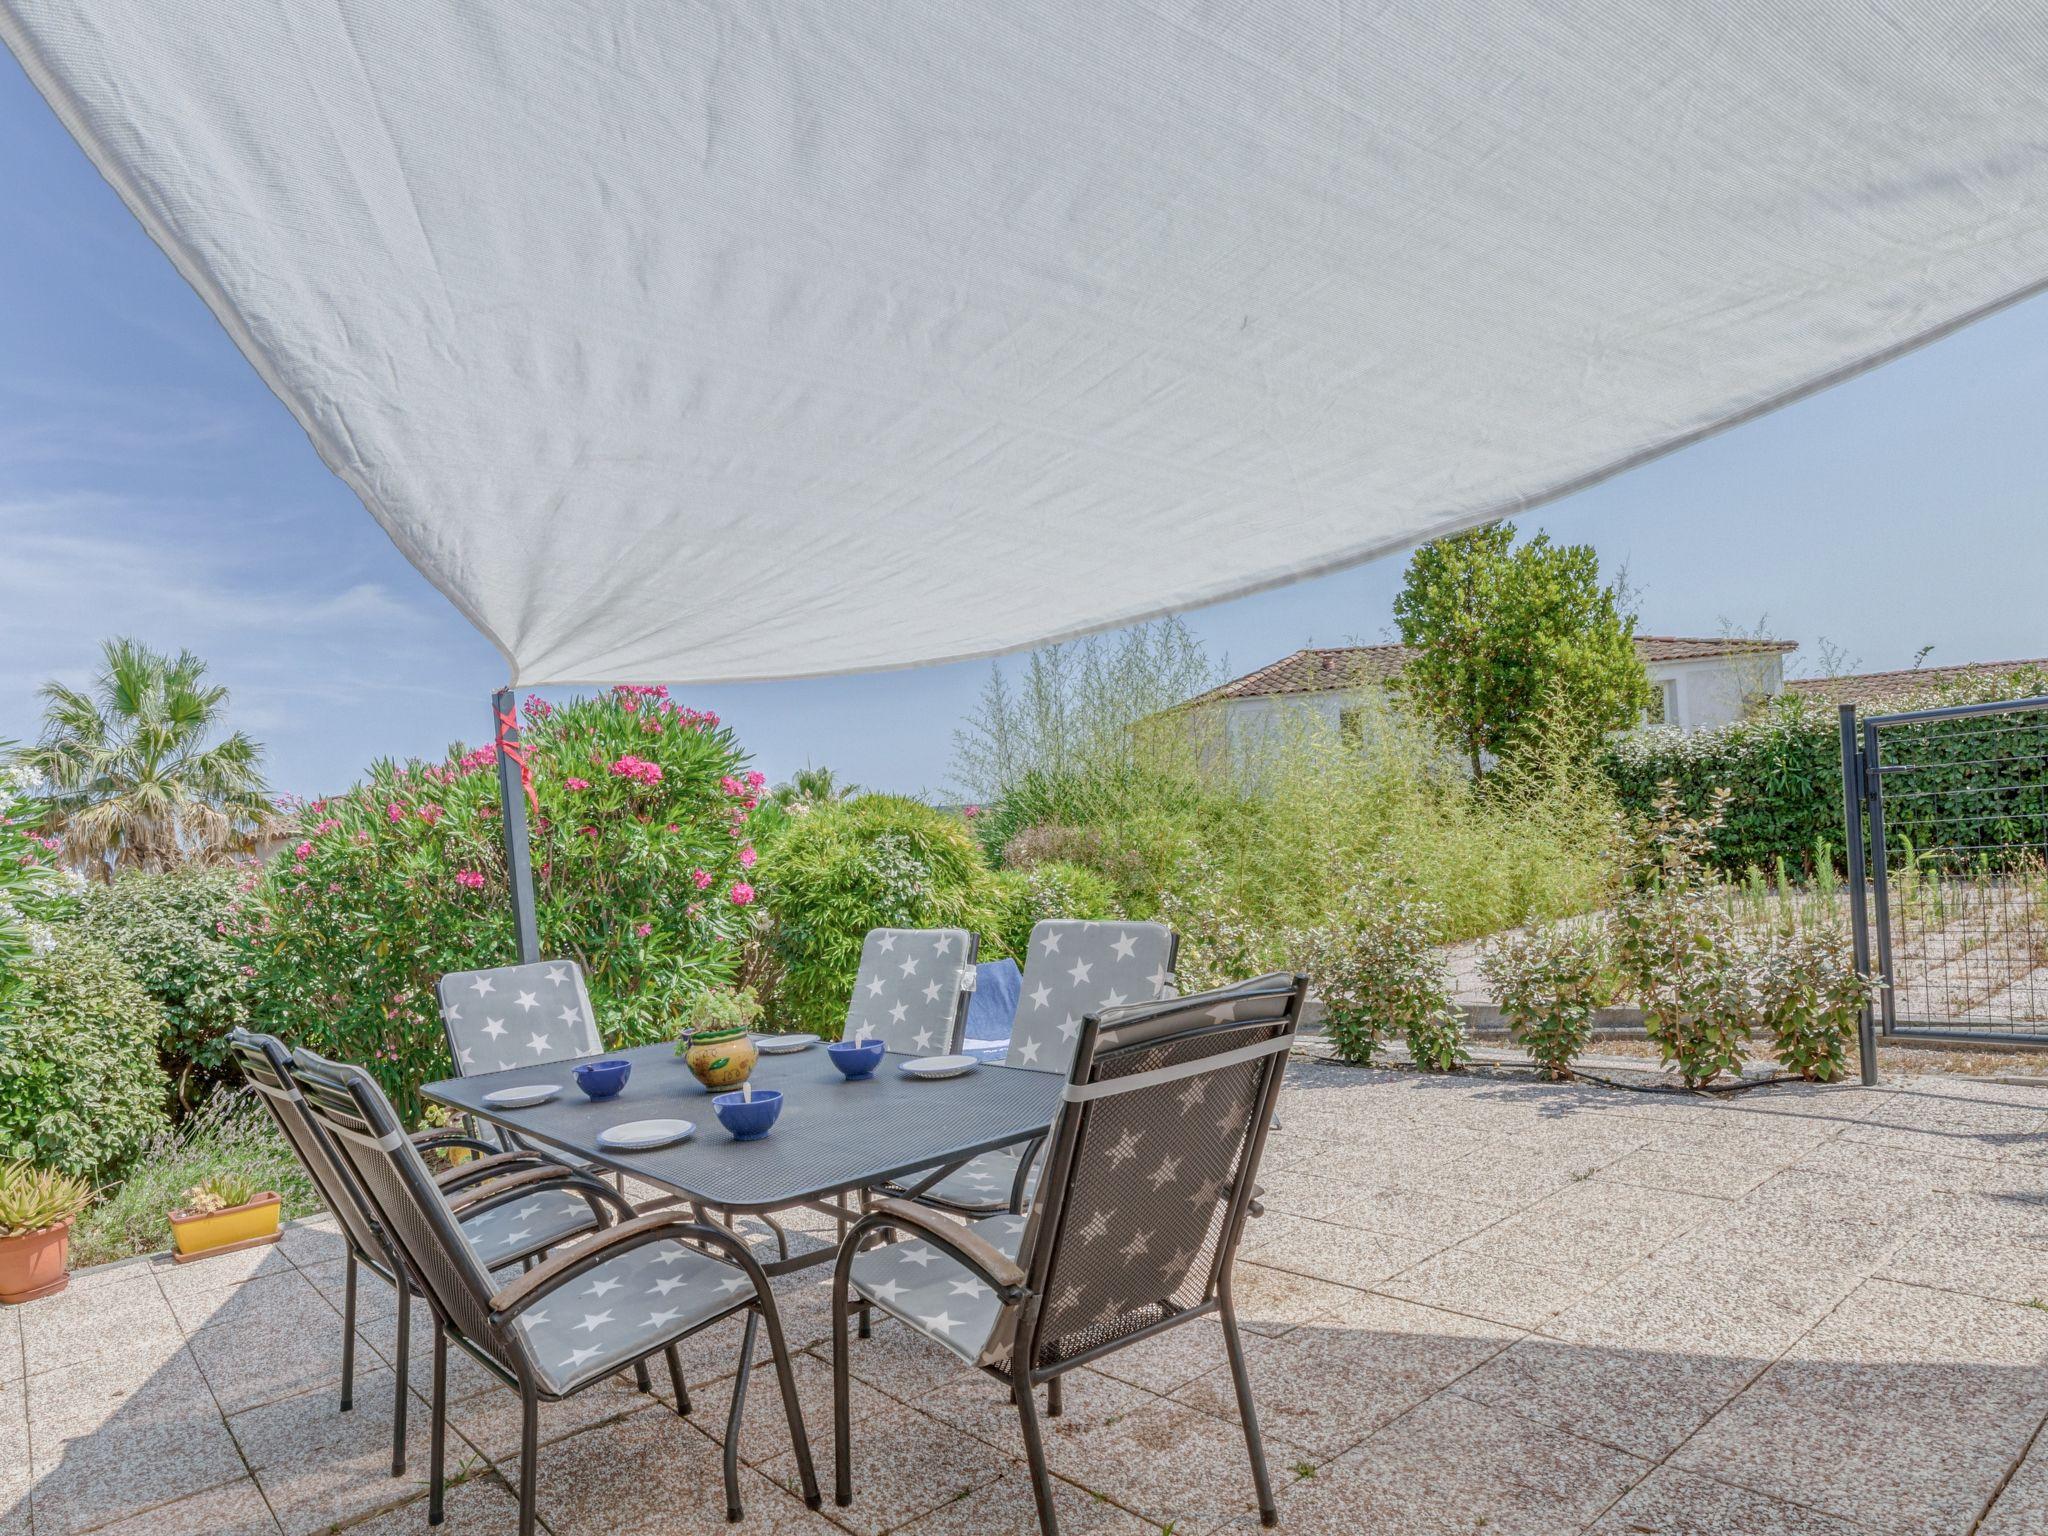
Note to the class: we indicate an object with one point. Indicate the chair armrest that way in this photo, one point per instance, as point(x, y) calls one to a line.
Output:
point(477, 1170)
point(438, 1138)
point(971, 1248)
point(554, 1272)
point(512, 1186)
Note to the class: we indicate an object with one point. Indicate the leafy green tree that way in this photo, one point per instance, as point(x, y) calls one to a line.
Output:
point(134, 771)
point(1515, 645)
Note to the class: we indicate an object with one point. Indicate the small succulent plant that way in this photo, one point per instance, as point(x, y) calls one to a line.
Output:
point(33, 1198)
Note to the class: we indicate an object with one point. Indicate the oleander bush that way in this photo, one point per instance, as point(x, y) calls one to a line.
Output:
point(1050, 890)
point(228, 1144)
point(851, 865)
point(1810, 999)
point(179, 933)
point(644, 867)
point(1549, 981)
point(81, 1089)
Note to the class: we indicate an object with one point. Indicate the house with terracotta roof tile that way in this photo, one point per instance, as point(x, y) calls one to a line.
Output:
point(1696, 682)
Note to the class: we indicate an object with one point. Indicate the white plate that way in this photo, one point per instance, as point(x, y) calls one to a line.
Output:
point(639, 1135)
point(522, 1098)
point(938, 1066)
point(782, 1045)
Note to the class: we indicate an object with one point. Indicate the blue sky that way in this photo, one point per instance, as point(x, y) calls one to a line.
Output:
point(150, 485)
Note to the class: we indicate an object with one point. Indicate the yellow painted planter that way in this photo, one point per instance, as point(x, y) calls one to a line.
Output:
point(237, 1227)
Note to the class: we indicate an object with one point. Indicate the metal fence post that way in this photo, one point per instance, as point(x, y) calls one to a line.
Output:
point(512, 778)
point(1880, 874)
point(1859, 902)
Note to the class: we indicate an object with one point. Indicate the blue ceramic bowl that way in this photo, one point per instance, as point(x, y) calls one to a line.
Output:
point(857, 1059)
point(603, 1079)
point(748, 1119)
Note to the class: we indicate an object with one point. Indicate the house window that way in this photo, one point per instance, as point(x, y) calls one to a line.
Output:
point(1664, 704)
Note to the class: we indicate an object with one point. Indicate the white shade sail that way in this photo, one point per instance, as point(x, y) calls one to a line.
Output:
point(715, 341)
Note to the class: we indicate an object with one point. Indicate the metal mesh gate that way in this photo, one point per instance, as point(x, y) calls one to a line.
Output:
point(1954, 807)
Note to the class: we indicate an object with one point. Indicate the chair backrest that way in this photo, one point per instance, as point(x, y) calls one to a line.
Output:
point(1077, 968)
point(267, 1068)
point(350, 1107)
point(517, 1015)
point(913, 989)
point(1149, 1166)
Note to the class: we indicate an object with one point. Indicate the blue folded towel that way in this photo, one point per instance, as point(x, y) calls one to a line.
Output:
point(993, 1008)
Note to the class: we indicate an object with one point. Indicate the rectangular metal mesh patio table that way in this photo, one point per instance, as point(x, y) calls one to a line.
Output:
point(834, 1137)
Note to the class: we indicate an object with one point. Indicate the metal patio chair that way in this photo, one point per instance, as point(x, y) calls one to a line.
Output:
point(1074, 968)
point(913, 989)
point(513, 1230)
point(1149, 1175)
point(673, 1277)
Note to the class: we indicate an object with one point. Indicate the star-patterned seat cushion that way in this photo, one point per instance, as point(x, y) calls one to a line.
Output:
point(938, 1295)
point(1076, 968)
point(505, 1234)
point(985, 1183)
point(623, 1308)
point(907, 993)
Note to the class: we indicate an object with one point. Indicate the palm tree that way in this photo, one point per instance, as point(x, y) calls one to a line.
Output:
point(128, 777)
point(812, 786)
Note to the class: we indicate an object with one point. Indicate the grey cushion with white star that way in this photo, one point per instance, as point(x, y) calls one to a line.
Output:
point(507, 1233)
point(907, 994)
point(1078, 968)
point(938, 1295)
point(985, 1183)
point(625, 1307)
point(517, 1015)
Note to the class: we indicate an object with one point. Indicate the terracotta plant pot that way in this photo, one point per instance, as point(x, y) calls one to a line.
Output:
point(32, 1263)
point(197, 1235)
point(721, 1058)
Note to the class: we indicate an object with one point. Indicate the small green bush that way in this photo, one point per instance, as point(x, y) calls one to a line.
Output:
point(1373, 964)
point(876, 861)
point(80, 1086)
point(1810, 999)
point(1050, 890)
point(229, 1143)
point(1549, 981)
point(32, 893)
point(179, 934)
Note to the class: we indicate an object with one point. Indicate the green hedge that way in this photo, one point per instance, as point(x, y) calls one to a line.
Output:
point(876, 861)
point(1975, 782)
point(80, 1087)
point(1050, 890)
point(179, 934)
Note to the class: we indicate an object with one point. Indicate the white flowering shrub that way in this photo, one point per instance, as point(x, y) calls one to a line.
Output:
point(1549, 981)
point(1372, 962)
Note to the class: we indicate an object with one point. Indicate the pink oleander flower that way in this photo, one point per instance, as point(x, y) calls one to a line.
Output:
point(362, 837)
point(631, 706)
point(973, 811)
point(756, 779)
point(431, 814)
point(672, 827)
point(729, 785)
point(303, 852)
point(395, 812)
point(701, 878)
point(638, 769)
point(327, 825)
point(538, 708)
point(471, 878)
point(742, 893)
point(641, 930)
point(579, 783)
point(748, 857)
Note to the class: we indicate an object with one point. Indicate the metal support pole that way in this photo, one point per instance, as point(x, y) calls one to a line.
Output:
point(1880, 878)
point(1859, 909)
point(512, 811)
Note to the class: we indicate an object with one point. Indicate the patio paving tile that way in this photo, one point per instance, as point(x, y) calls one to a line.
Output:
point(1392, 1211)
point(1456, 1466)
point(1326, 1251)
point(311, 1240)
point(653, 1475)
point(124, 1467)
point(249, 1366)
point(1173, 1466)
point(15, 1470)
point(374, 1298)
point(1481, 1285)
point(1274, 1302)
point(981, 1407)
point(905, 1464)
point(237, 1509)
point(1669, 1503)
point(220, 1270)
point(319, 1466)
point(1594, 1228)
point(480, 1506)
point(489, 1420)
point(377, 1341)
point(278, 1300)
point(78, 1323)
point(2022, 1507)
point(1006, 1508)
point(1328, 1386)
point(764, 1427)
point(1168, 1361)
point(1902, 1410)
point(109, 1391)
point(12, 1367)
